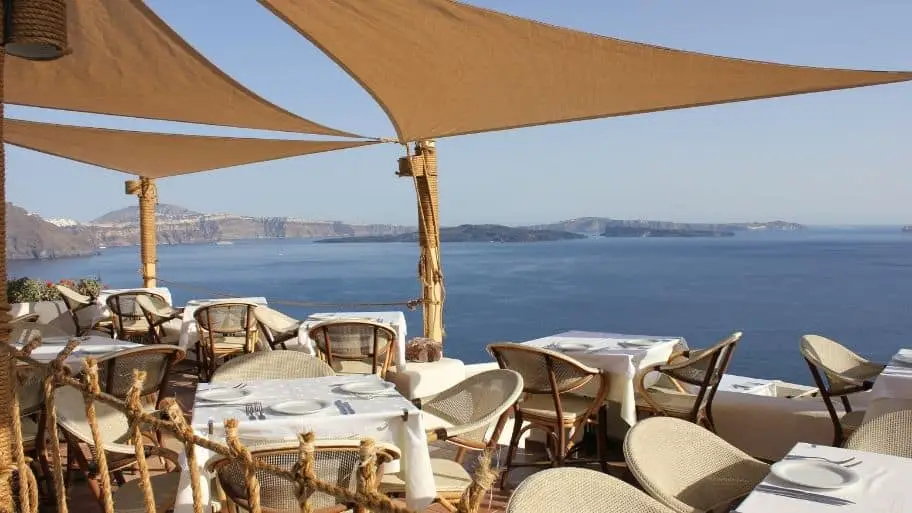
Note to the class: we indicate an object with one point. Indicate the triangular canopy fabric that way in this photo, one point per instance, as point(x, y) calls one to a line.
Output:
point(126, 61)
point(442, 68)
point(155, 155)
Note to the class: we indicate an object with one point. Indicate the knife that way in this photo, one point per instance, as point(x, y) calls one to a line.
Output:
point(800, 494)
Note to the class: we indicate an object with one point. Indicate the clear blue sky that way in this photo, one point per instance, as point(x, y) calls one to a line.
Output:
point(831, 158)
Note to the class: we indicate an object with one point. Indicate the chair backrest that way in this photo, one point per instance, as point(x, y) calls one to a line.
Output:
point(128, 316)
point(889, 433)
point(845, 371)
point(687, 467)
point(336, 462)
point(113, 423)
point(30, 388)
point(264, 365)
point(29, 317)
point(75, 302)
point(115, 371)
point(579, 490)
point(25, 332)
point(472, 406)
point(543, 371)
point(276, 326)
point(355, 346)
point(704, 368)
point(157, 314)
point(227, 320)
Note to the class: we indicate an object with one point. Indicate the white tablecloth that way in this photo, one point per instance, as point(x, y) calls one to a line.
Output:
point(395, 320)
point(609, 353)
point(51, 346)
point(189, 334)
point(379, 418)
point(743, 385)
point(895, 382)
point(884, 485)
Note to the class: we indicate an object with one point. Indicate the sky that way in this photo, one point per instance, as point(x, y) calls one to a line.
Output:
point(841, 157)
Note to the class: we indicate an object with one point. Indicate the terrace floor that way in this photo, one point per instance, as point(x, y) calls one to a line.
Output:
point(182, 386)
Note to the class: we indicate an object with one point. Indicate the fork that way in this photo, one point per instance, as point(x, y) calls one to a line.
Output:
point(850, 461)
point(249, 411)
point(259, 411)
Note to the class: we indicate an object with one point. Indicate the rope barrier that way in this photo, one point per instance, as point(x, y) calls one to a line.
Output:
point(411, 304)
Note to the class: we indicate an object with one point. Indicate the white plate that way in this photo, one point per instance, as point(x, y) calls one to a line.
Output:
point(223, 395)
point(814, 474)
point(97, 349)
point(573, 346)
point(905, 358)
point(303, 407)
point(368, 388)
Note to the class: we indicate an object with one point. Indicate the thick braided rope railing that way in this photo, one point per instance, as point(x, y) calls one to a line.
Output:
point(367, 496)
point(135, 408)
point(28, 486)
point(91, 375)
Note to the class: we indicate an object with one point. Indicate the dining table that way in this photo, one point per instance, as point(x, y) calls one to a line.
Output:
point(621, 355)
point(892, 389)
point(89, 345)
point(812, 478)
point(333, 408)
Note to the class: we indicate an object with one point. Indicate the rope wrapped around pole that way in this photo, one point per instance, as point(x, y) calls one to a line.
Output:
point(148, 200)
point(31, 29)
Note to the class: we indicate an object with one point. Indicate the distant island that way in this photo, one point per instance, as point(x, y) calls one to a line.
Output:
point(907, 229)
point(470, 233)
point(29, 236)
point(634, 231)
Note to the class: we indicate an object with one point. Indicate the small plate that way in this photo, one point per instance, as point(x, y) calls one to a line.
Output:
point(97, 349)
point(368, 388)
point(223, 395)
point(573, 346)
point(814, 474)
point(302, 407)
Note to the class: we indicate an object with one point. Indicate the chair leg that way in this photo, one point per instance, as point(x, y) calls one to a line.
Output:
point(601, 433)
point(514, 444)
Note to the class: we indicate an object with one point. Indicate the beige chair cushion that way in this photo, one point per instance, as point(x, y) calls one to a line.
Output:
point(29, 430)
point(672, 401)
point(449, 478)
point(853, 419)
point(129, 498)
point(352, 366)
point(541, 405)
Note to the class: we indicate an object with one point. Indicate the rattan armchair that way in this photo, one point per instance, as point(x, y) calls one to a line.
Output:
point(549, 378)
point(689, 468)
point(263, 365)
point(579, 490)
point(119, 452)
point(129, 321)
point(225, 330)
point(463, 415)
point(336, 462)
point(115, 370)
point(355, 346)
point(889, 433)
point(75, 303)
point(699, 368)
point(158, 317)
point(838, 372)
point(276, 327)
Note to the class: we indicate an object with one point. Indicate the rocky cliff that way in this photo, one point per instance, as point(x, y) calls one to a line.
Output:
point(30, 236)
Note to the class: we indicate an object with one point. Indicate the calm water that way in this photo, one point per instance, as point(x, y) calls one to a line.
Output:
point(854, 286)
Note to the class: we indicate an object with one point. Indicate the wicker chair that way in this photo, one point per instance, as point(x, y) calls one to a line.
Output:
point(549, 378)
point(355, 346)
point(276, 327)
point(336, 461)
point(226, 330)
point(158, 316)
point(889, 433)
point(263, 365)
point(128, 318)
point(579, 490)
point(120, 453)
point(75, 303)
point(701, 368)
point(689, 468)
point(838, 372)
point(463, 415)
point(25, 332)
point(115, 371)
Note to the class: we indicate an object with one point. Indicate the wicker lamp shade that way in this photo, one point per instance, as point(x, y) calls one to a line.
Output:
point(35, 29)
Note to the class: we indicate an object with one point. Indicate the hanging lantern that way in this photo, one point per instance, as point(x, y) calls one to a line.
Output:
point(35, 29)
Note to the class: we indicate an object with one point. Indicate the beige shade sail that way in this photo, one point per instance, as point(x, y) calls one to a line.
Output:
point(154, 155)
point(442, 68)
point(126, 61)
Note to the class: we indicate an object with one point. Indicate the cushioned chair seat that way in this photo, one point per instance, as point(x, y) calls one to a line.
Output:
point(351, 366)
point(672, 401)
point(129, 498)
point(542, 406)
point(450, 477)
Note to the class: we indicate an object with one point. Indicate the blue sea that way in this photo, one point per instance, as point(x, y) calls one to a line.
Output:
point(851, 285)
